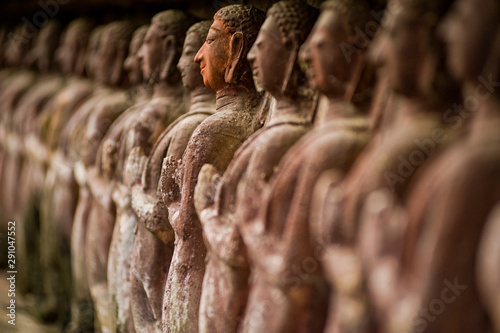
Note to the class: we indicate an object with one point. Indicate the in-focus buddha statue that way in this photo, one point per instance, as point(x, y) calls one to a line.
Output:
point(225, 70)
point(154, 239)
point(273, 58)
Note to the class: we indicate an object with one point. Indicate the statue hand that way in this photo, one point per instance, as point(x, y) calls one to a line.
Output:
point(169, 180)
point(135, 165)
point(206, 188)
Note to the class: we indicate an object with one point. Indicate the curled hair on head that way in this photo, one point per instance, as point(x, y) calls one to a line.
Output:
point(140, 33)
point(79, 29)
point(294, 19)
point(120, 31)
point(200, 29)
point(173, 22)
point(356, 13)
point(247, 20)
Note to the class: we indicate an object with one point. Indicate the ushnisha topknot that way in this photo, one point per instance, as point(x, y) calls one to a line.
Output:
point(200, 29)
point(173, 22)
point(241, 18)
point(120, 30)
point(417, 8)
point(357, 13)
point(80, 30)
point(294, 18)
point(247, 20)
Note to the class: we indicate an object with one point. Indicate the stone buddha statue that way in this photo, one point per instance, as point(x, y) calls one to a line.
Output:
point(225, 69)
point(450, 206)
point(17, 81)
point(26, 120)
point(72, 55)
point(288, 291)
point(273, 58)
point(159, 54)
point(487, 265)
point(47, 34)
point(27, 169)
point(82, 302)
point(153, 241)
point(80, 143)
point(79, 140)
point(366, 213)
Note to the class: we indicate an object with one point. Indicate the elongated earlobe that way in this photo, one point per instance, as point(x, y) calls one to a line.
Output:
point(169, 49)
point(288, 80)
point(235, 51)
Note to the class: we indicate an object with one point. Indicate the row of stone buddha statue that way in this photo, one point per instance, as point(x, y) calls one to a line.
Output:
point(332, 169)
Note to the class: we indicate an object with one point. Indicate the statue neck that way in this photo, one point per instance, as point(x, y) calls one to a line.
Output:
point(235, 98)
point(337, 109)
point(201, 99)
point(285, 110)
point(487, 115)
point(164, 89)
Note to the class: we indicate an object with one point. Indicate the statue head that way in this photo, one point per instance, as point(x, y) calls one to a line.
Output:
point(190, 71)
point(18, 45)
point(44, 47)
point(273, 56)
point(332, 53)
point(132, 65)
point(112, 51)
point(162, 46)
point(92, 55)
point(410, 53)
point(3, 44)
point(468, 32)
point(71, 53)
point(222, 58)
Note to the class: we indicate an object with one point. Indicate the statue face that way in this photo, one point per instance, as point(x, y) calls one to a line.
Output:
point(401, 49)
point(151, 52)
point(132, 64)
point(213, 56)
point(467, 32)
point(66, 54)
point(106, 58)
point(328, 69)
point(190, 71)
point(269, 58)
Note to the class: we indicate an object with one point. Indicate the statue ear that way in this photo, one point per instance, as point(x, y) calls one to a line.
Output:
point(235, 51)
point(80, 61)
point(288, 80)
point(116, 74)
point(169, 50)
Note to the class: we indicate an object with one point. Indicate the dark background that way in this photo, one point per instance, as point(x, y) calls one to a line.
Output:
point(12, 12)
